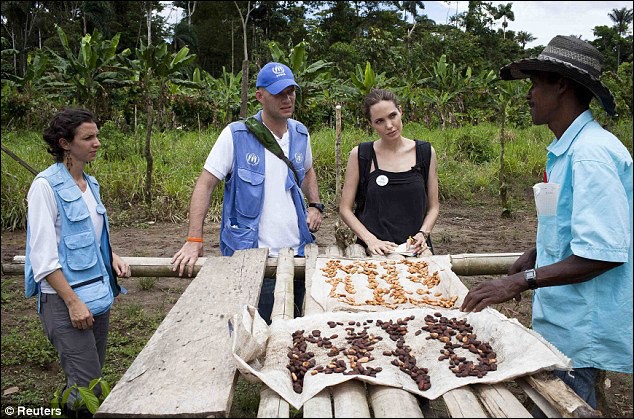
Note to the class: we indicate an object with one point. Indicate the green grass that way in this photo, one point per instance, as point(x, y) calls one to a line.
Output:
point(30, 362)
point(468, 167)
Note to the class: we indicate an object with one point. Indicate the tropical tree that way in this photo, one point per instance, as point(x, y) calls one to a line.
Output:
point(524, 38)
point(156, 67)
point(509, 94)
point(410, 7)
point(503, 11)
point(622, 19)
point(93, 70)
point(223, 92)
point(312, 77)
point(244, 19)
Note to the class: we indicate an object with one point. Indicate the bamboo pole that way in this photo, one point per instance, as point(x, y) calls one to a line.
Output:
point(465, 264)
point(271, 404)
point(338, 153)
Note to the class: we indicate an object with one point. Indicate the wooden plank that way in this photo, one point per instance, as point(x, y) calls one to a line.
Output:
point(500, 402)
point(284, 303)
point(332, 251)
point(272, 405)
point(355, 251)
point(187, 368)
point(350, 400)
point(462, 402)
point(387, 401)
point(390, 402)
point(311, 252)
point(560, 396)
point(319, 406)
point(539, 400)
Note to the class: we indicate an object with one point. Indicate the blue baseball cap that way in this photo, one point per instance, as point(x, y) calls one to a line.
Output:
point(275, 77)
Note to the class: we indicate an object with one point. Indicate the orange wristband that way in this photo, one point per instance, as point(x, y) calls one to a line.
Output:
point(195, 239)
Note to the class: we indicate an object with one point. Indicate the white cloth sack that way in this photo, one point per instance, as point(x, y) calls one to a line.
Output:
point(520, 351)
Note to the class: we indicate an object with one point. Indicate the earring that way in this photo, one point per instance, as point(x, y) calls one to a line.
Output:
point(69, 159)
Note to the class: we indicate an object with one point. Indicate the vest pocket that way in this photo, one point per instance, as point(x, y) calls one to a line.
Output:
point(249, 192)
point(236, 237)
point(82, 253)
point(96, 294)
point(72, 204)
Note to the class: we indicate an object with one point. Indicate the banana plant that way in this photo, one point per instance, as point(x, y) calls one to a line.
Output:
point(447, 85)
point(313, 78)
point(223, 92)
point(155, 69)
point(94, 69)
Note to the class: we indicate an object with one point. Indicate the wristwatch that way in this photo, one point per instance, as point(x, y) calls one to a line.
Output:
point(530, 276)
point(319, 206)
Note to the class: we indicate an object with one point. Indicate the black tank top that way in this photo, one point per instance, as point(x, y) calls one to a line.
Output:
point(395, 202)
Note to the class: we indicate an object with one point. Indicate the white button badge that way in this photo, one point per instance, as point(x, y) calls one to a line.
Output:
point(382, 180)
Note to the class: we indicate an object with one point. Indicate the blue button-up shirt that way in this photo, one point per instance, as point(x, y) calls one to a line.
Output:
point(590, 322)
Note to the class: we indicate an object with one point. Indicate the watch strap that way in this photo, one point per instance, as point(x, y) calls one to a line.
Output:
point(319, 206)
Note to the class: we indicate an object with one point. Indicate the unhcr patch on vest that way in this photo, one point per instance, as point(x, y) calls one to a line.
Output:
point(252, 159)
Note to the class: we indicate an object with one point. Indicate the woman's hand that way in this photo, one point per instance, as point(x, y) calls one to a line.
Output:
point(418, 244)
point(121, 267)
point(380, 247)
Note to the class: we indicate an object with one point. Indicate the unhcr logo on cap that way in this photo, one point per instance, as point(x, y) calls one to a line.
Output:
point(278, 70)
point(275, 77)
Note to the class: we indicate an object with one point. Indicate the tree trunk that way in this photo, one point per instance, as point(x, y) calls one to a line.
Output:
point(502, 177)
point(338, 153)
point(148, 151)
point(244, 96)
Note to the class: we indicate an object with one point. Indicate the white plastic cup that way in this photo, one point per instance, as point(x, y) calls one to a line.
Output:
point(546, 197)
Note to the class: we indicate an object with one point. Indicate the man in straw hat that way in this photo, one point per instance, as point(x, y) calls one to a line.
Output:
point(581, 267)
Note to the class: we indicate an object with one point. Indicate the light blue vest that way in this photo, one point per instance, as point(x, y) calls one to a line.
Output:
point(86, 266)
point(244, 188)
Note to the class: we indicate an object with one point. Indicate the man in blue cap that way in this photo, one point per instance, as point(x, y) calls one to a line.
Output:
point(264, 194)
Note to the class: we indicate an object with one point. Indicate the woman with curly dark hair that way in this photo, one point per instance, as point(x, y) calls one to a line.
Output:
point(70, 265)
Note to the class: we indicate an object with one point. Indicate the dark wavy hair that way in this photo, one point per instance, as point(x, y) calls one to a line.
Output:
point(376, 96)
point(63, 125)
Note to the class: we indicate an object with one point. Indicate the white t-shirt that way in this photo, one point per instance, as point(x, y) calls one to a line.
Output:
point(278, 227)
point(46, 226)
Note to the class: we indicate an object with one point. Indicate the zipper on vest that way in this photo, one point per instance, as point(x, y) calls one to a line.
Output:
point(90, 281)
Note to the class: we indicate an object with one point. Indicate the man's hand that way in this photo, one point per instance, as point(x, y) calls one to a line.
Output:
point(313, 219)
point(187, 257)
point(495, 291)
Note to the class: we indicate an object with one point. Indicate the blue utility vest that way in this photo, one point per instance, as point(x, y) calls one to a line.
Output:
point(244, 188)
point(86, 266)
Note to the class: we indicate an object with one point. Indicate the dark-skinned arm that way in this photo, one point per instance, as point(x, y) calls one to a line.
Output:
point(572, 270)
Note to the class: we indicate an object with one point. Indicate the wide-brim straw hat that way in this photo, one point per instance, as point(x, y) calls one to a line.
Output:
point(572, 58)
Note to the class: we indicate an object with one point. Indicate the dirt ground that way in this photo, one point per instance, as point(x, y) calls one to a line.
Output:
point(460, 229)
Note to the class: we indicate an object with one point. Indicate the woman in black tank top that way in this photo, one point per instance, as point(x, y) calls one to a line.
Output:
point(394, 182)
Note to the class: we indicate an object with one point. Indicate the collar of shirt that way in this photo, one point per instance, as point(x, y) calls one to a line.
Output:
point(559, 146)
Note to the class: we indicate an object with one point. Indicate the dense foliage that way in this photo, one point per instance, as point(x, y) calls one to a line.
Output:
point(103, 55)
point(148, 81)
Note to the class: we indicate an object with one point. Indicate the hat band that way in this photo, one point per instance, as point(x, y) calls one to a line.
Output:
point(566, 53)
